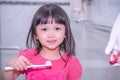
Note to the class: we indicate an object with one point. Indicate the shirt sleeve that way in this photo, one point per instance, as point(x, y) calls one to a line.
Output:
point(75, 71)
point(28, 53)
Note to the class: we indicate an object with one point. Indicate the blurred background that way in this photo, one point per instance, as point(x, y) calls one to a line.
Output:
point(91, 24)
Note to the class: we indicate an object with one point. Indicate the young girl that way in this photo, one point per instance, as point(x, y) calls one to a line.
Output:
point(52, 39)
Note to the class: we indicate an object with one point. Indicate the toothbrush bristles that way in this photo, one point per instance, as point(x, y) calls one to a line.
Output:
point(48, 63)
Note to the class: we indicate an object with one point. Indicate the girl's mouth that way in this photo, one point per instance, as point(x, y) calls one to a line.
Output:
point(51, 41)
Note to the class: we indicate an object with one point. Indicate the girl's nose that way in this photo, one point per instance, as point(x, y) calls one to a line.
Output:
point(51, 33)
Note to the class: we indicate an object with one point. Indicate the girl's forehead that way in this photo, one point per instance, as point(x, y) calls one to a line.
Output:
point(49, 20)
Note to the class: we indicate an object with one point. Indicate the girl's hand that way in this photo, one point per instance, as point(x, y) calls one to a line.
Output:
point(19, 63)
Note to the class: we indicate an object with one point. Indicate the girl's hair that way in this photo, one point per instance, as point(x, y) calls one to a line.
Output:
point(59, 16)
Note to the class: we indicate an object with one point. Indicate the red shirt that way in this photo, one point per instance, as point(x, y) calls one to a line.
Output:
point(58, 70)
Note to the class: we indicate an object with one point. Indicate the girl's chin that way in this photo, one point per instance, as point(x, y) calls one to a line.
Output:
point(52, 47)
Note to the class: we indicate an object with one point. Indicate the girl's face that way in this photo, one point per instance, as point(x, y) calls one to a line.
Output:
point(50, 35)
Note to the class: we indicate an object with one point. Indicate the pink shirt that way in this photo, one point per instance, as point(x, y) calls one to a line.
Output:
point(58, 71)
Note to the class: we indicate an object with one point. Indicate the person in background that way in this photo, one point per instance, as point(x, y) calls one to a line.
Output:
point(113, 47)
point(49, 39)
point(78, 11)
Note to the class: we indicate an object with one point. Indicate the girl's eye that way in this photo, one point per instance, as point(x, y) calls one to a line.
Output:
point(44, 29)
point(57, 28)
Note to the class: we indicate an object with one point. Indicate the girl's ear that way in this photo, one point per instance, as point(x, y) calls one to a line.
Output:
point(36, 37)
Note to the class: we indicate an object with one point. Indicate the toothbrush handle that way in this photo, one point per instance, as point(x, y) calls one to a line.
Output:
point(9, 68)
point(31, 66)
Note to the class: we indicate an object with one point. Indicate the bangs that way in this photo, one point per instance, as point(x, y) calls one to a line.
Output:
point(48, 17)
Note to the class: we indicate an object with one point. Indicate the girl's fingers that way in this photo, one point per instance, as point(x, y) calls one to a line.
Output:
point(19, 63)
point(25, 60)
point(20, 66)
point(24, 65)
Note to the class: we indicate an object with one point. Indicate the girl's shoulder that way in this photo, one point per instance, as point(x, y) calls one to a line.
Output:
point(71, 58)
point(74, 59)
point(28, 53)
point(75, 68)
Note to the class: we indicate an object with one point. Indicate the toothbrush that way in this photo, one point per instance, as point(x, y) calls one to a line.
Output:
point(47, 64)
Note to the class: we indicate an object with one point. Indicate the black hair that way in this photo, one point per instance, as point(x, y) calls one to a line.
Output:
point(59, 16)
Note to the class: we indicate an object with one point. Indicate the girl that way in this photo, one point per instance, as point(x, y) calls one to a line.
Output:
point(51, 37)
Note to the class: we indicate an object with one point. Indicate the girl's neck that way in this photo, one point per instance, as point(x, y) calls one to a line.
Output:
point(51, 54)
